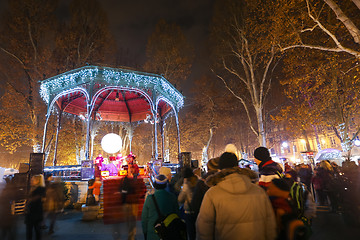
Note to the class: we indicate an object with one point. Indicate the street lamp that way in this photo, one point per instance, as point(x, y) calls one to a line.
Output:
point(285, 145)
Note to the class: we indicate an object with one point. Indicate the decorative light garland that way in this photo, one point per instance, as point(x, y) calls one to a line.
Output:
point(68, 79)
point(157, 84)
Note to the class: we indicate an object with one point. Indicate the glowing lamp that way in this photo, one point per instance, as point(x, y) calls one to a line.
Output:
point(111, 143)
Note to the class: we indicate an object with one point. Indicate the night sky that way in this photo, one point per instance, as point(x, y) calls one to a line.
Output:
point(132, 22)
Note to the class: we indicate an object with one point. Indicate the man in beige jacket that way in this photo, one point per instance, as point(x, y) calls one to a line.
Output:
point(234, 207)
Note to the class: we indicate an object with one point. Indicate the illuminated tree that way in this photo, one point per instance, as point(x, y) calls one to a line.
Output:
point(243, 38)
point(326, 25)
point(25, 35)
point(323, 91)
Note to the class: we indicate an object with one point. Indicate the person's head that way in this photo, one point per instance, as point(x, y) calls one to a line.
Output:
point(213, 164)
point(166, 171)
point(49, 177)
point(160, 181)
point(37, 181)
point(228, 160)
point(279, 187)
point(261, 154)
point(187, 172)
point(197, 172)
point(326, 165)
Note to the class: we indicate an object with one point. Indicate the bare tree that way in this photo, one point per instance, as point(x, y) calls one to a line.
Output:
point(247, 56)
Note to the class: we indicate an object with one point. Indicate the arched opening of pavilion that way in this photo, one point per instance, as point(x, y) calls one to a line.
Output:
point(96, 93)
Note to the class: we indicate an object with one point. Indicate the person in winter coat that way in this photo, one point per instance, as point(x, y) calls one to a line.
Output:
point(234, 207)
point(167, 203)
point(201, 187)
point(34, 207)
point(185, 197)
point(268, 169)
point(54, 202)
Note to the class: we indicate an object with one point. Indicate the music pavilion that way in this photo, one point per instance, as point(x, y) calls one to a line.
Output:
point(111, 94)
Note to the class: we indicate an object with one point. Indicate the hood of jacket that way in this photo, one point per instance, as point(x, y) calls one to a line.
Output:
point(234, 180)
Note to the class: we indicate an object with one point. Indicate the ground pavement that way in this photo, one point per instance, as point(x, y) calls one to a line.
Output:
point(327, 226)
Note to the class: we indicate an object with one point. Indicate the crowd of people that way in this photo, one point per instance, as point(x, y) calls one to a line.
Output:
point(230, 202)
point(224, 202)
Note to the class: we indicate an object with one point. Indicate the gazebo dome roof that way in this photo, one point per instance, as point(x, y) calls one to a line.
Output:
point(111, 94)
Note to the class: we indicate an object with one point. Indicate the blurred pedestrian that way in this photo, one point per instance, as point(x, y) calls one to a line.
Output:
point(34, 207)
point(54, 202)
point(268, 169)
point(96, 187)
point(289, 226)
point(7, 217)
point(167, 203)
point(234, 207)
point(130, 204)
point(185, 198)
point(305, 175)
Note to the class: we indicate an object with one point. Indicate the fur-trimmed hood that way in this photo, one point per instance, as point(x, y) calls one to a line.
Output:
point(218, 177)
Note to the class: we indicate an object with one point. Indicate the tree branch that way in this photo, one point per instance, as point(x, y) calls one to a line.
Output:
point(329, 49)
point(353, 30)
point(14, 56)
point(32, 41)
point(242, 101)
point(357, 3)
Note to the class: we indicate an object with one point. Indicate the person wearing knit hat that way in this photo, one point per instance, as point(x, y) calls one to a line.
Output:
point(268, 169)
point(213, 164)
point(262, 154)
point(166, 202)
point(160, 181)
point(228, 160)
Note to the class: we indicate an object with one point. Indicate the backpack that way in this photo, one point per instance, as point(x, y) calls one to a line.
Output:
point(170, 227)
point(298, 194)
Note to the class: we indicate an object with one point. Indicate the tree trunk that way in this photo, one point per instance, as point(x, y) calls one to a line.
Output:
point(205, 157)
point(345, 140)
point(306, 140)
point(317, 138)
point(261, 134)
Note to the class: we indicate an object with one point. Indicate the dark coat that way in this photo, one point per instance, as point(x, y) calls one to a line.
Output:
point(34, 206)
point(198, 195)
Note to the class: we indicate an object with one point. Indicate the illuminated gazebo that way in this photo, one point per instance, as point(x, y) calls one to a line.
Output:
point(110, 94)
